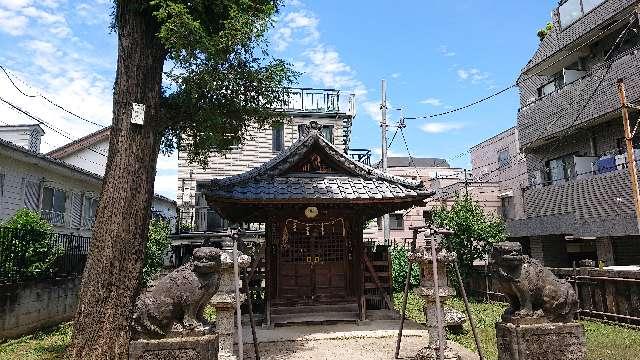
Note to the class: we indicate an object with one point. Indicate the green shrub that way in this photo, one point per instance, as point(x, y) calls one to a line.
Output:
point(27, 246)
point(474, 232)
point(157, 244)
point(399, 267)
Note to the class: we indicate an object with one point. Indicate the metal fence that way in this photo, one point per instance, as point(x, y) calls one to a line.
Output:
point(32, 255)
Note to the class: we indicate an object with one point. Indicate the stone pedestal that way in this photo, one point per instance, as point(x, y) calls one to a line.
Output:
point(427, 292)
point(182, 348)
point(546, 341)
point(224, 302)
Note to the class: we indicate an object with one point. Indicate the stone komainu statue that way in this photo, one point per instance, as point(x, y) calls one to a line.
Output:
point(533, 290)
point(176, 301)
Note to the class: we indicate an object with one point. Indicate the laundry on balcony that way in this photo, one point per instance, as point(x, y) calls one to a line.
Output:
point(606, 164)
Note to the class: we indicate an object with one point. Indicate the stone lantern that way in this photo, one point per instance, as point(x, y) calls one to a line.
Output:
point(427, 291)
point(224, 302)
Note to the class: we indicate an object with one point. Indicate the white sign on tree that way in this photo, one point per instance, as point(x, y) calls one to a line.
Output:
point(137, 114)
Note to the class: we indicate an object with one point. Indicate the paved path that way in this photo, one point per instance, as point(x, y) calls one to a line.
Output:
point(375, 340)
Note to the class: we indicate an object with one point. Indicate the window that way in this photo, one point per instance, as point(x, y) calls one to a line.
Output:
point(428, 216)
point(560, 169)
point(89, 207)
point(277, 137)
point(54, 205)
point(507, 208)
point(503, 158)
point(1, 185)
point(396, 222)
point(327, 133)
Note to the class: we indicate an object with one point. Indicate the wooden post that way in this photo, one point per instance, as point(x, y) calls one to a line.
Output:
point(436, 291)
point(406, 295)
point(236, 282)
point(247, 290)
point(472, 321)
point(358, 278)
point(631, 161)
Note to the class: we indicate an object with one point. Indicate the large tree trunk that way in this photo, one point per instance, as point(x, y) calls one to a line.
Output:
point(111, 279)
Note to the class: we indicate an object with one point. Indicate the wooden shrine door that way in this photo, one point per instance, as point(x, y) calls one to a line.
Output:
point(313, 263)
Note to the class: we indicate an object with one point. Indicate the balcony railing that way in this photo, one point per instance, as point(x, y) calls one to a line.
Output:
point(53, 217)
point(572, 10)
point(584, 99)
point(361, 155)
point(309, 100)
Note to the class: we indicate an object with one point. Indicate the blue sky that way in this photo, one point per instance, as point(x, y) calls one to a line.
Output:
point(435, 55)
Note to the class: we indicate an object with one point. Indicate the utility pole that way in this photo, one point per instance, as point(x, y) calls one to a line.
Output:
point(383, 127)
point(631, 161)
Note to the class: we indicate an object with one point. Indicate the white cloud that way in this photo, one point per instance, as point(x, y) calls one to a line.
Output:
point(168, 162)
point(474, 75)
point(444, 50)
point(301, 24)
point(431, 101)
point(395, 75)
point(14, 4)
point(323, 65)
point(166, 185)
point(440, 127)
point(12, 23)
point(42, 47)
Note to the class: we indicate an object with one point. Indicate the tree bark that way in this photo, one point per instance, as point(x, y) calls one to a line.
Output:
point(111, 279)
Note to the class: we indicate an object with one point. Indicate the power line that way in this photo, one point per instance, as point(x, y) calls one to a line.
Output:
point(586, 103)
point(520, 79)
point(46, 124)
point(6, 72)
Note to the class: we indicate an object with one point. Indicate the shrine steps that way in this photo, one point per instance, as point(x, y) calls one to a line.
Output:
point(316, 314)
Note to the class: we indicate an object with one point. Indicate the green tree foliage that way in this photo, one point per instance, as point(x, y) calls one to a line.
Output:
point(223, 79)
point(474, 230)
point(157, 245)
point(399, 268)
point(26, 245)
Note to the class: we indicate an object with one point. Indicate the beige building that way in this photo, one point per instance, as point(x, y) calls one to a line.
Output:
point(432, 172)
point(330, 108)
point(498, 161)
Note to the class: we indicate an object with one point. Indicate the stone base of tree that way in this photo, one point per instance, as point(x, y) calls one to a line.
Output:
point(183, 348)
point(546, 341)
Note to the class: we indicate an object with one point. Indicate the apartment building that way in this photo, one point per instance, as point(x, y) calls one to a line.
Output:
point(330, 108)
point(578, 202)
point(499, 164)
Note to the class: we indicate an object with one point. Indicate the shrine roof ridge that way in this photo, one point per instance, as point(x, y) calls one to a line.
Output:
point(288, 157)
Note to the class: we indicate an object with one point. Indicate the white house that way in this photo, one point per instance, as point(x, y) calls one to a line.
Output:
point(65, 188)
point(64, 194)
point(90, 153)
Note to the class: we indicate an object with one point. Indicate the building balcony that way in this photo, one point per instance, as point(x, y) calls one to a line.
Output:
point(593, 206)
point(53, 217)
point(360, 155)
point(572, 105)
point(319, 101)
point(574, 23)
